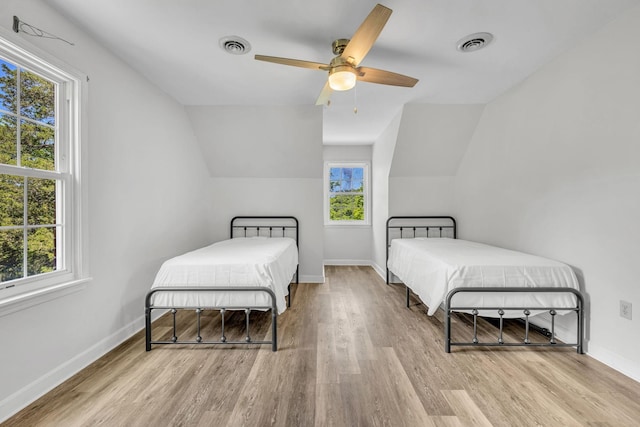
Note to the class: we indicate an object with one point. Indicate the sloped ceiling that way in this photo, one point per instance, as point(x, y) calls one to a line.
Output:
point(433, 139)
point(260, 141)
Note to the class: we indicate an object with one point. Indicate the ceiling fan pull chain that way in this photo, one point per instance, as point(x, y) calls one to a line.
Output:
point(355, 99)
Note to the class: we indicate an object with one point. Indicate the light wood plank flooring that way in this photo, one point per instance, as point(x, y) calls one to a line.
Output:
point(350, 354)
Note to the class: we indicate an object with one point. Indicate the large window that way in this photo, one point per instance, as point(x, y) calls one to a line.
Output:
point(39, 173)
point(346, 193)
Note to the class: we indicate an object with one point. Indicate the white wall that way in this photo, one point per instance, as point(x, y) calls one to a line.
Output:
point(265, 161)
point(145, 182)
point(554, 169)
point(345, 244)
point(380, 167)
point(353, 153)
point(301, 197)
point(421, 195)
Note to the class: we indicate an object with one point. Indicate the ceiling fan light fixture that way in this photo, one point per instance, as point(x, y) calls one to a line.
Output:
point(342, 78)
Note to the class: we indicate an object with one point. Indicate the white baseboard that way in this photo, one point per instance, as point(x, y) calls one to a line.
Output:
point(28, 394)
point(346, 262)
point(625, 366)
point(310, 278)
point(382, 272)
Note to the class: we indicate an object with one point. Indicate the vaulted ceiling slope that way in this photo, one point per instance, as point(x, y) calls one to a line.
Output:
point(175, 45)
point(259, 141)
point(433, 139)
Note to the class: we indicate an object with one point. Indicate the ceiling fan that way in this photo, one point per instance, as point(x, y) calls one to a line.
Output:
point(343, 69)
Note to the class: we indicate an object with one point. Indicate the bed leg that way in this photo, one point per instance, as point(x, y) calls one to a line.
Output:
point(289, 297)
point(580, 326)
point(274, 331)
point(408, 292)
point(447, 330)
point(147, 315)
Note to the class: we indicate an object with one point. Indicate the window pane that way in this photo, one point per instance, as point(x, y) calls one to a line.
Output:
point(346, 174)
point(41, 250)
point(346, 208)
point(340, 186)
point(358, 174)
point(357, 186)
point(335, 174)
point(41, 201)
point(37, 97)
point(11, 200)
point(11, 254)
point(37, 146)
point(7, 86)
point(8, 140)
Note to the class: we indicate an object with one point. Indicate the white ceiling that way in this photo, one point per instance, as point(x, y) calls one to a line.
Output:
point(175, 44)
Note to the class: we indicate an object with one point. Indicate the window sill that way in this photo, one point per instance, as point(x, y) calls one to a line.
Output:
point(29, 299)
point(346, 225)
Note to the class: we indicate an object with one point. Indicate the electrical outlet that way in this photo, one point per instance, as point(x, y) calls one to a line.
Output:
point(625, 309)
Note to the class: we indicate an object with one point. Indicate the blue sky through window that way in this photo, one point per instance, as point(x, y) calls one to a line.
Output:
point(345, 179)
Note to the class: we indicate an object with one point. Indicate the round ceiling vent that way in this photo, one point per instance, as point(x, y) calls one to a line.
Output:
point(474, 42)
point(234, 45)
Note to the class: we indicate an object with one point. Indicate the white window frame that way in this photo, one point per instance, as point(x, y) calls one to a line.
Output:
point(365, 165)
point(72, 270)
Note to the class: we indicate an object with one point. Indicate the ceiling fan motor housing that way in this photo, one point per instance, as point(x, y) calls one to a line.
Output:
point(339, 45)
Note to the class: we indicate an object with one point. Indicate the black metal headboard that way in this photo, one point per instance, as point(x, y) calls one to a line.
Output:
point(266, 226)
point(403, 227)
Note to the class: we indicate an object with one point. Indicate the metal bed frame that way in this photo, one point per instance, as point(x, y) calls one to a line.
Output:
point(411, 226)
point(244, 226)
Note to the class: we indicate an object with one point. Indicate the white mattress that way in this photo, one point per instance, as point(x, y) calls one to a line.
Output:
point(432, 267)
point(246, 261)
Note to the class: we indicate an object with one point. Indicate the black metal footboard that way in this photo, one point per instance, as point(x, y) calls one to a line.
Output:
point(198, 310)
point(526, 311)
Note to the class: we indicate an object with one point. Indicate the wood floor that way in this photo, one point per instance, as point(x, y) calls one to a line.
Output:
point(350, 354)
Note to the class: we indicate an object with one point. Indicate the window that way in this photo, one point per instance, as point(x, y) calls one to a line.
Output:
point(39, 174)
point(346, 193)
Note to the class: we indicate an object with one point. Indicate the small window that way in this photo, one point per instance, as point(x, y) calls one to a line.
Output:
point(39, 174)
point(346, 193)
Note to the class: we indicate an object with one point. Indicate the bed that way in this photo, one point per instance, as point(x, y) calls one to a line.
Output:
point(252, 270)
point(480, 280)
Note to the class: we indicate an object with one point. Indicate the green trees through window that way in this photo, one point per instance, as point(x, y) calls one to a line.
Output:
point(27, 195)
point(346, 194)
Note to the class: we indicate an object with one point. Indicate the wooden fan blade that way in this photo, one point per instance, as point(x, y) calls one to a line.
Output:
point(366, 35)
point(293, 62)
point(373, 75)
point(325, 94)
